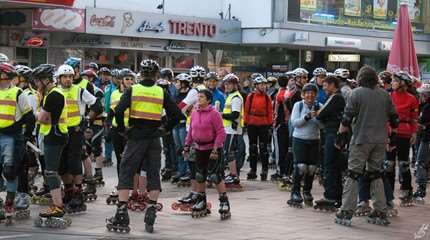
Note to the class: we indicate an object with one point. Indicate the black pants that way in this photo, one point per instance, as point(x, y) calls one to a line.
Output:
point(258, 140)
point(402, 153)
point(118, 142)
point(281, 147)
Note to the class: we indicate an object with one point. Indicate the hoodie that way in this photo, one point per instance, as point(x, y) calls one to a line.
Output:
point(206, 129)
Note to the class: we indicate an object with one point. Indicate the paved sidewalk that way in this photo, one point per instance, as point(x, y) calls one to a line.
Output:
point(260, 212)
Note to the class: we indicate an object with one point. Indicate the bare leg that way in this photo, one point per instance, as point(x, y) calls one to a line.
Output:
point(56, 197)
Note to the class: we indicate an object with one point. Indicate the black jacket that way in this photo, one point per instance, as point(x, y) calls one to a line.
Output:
point(332, 111)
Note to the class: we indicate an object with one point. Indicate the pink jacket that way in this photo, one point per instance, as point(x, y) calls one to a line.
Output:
point(206, 129)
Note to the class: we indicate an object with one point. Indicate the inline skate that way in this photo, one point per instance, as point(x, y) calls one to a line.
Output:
point(232, 183)
point(344, 217)
point(113, 198)
point(53, 218)
point(251, 176)
point(285, 184)
point(150, 215)
point(22, 203)
point(184, 181)
point(90, 191)
point(200, 208)
point(185, 204)
point(263, 176)
point(406, 198)
point(308, 199)
point(391, 210)
point(166, 174)
point(76, 203)
point(98, 178)
point(325, 205)
point(363, 209)
point(296, 200)
point(378, 218)
point(9, 211)
point(420, 194)
point(120, 222)
point(224, 207)
point(42, 197)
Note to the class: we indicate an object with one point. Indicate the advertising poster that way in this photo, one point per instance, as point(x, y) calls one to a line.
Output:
point(413, 9)
point(352, 8)
point(308, 5)
point(380, 9)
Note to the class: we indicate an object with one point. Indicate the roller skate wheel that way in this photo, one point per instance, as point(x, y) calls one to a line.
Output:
point(175, 206)
point(159, 207)
point(38, 222)
point(209, 205)
point(149, 228)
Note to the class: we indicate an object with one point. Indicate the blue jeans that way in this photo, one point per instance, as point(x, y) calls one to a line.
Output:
point(333, 163)
point(7, 144)
point(422, 162)
point(179, 134)
point(234, 149)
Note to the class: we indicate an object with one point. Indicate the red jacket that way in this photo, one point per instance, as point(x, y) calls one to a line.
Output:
point(407, 107)
point(258, 109)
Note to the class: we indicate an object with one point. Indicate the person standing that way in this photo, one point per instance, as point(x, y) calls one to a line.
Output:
point(370, 109)
point(258, 117)
point(145, 102)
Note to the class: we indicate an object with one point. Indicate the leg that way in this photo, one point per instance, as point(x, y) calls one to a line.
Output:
point(264, 141)
point(312, 161)
point(404, 169)
point(421, 175)
point(253, 149)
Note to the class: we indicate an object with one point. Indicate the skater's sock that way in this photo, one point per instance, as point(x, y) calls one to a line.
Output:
point(152, 202)
point(10, 196)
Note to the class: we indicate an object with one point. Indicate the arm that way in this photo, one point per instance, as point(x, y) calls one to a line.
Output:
point(124, 103)
point(247, 103)
point(189, 138)
point(219, 130)
point(296, 119)
point(270, 113)
point(424, 118)
point(351, 110)
point(174, 114)
point(414, 115)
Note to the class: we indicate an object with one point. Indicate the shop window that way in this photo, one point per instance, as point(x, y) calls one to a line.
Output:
point(22, 54)
point(373, 14)
point(38, 56)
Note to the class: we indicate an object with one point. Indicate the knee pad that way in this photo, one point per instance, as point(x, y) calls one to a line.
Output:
point(353, 175)
point(200, 178)
point(312, 169)
point(404, 167)
point(301, 169)
point(389, 166)
point(52, 179)
point(216, 178)
point(9, 172)
point(372, 176)
point(192, 167)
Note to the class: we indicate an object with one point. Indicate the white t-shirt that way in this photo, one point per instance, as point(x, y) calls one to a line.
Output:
point(22, 106)
point(86, 99)
point(191, 98)
point(32, 101)
point(236, 106)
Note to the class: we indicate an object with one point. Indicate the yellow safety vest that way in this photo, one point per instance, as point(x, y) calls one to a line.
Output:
point(45, 129)
point(227, 109)
point(198, 88)
point(83, 83)
point(146, 102)
point(72, 100)
point(114, 100)
point(8, 106)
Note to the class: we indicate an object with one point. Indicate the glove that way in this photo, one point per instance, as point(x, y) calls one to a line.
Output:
point(308, 116)
point(341, 140)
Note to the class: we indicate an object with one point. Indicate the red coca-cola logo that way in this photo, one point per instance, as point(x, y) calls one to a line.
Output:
point(35, 42)
point(198, 29)
point(105, 21)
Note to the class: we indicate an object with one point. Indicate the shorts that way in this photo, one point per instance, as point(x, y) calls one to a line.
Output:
point(72, 154)
point(145, 154)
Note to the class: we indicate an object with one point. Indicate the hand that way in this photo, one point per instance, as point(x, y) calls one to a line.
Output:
point(214, 155)
point(343, 129)
point(341, 140)
point(186, 152)
point(413, 139)
point(313, 114)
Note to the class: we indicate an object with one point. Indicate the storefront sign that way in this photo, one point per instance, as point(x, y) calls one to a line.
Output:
point(385, 45)
point(148, 26)
point(69, 19)
point(301, 37)
point(343, 42)
point(344, 58)
point(151, 25)
point(102, 21)
point(380, 9)
point(155, 45)
point(80, 40)
point(49, 2)
point(352, 8)
point(15, 18)
point(28, 39)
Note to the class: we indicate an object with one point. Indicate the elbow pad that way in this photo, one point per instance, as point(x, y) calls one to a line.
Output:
point(394, 120)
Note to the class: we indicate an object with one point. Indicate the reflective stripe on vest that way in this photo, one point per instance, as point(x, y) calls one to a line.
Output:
point(227, 109)
point(62, 122)
point(72, 99)
point(146, 102)
point(198, 88)
point(114, 100)
point(8, 106)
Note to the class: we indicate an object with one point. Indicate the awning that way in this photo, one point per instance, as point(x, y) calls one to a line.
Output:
point(68, 3)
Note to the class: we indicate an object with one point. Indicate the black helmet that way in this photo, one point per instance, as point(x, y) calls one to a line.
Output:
point(74, 62)
point(44, 71)
point(385, 76)
point(24, 71)
point(105, 70)
point(403, 76)
point(93, 65)
point(116, 73)
point(149, 67)
point(212, 75)
point(166, 73)
point(125, 72)
point(310, 87)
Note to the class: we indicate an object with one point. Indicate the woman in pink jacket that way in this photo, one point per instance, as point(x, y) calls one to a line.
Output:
point(206, 135)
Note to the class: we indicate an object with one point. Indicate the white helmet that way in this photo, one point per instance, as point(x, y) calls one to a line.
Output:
point(301, 72)
point(197, 71)
point(184, 77)
point(342, 73)
point(3, 58)
point(319, 71)
point(260, 79)
point(65, 70)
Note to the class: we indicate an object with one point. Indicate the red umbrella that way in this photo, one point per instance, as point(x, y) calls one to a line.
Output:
point(402, 55)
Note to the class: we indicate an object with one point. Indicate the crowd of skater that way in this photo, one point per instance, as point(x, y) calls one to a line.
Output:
point(349, 134)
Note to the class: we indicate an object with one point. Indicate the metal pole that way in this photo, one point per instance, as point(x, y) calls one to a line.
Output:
point(163, 6)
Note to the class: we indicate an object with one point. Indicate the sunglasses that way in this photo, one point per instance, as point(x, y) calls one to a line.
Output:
point(129, 79)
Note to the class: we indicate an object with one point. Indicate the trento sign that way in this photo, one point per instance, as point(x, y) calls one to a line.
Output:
point(151, 25)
